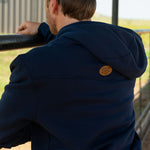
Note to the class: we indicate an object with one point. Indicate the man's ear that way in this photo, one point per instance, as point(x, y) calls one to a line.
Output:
point(54, 6)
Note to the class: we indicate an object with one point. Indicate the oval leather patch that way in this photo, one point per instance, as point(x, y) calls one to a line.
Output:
point(105, 71)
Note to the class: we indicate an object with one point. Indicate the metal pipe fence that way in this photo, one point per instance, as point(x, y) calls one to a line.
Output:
point(11, 42)
point(142, 93)
point(115, 10)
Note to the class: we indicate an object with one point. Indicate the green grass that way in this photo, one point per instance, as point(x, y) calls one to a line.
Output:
point(5, 59)
point(132, 24)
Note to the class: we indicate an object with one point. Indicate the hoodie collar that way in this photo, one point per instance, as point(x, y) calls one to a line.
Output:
point(67, 27)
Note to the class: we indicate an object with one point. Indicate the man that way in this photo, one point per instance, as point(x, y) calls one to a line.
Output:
point(75, 92)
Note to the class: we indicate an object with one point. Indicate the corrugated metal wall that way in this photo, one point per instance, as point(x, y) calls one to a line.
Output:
point(15, 12)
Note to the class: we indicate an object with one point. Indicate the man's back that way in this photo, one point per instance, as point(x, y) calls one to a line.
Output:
point(79, 89)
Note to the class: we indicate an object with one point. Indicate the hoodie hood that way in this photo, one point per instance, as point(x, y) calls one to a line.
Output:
point(118, 47)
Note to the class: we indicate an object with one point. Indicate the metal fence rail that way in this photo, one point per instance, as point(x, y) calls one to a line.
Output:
point(10, 42)
point(15, 12)
point(142, 103)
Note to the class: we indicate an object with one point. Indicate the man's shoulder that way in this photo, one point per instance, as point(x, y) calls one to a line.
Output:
point(55, 45)
point(46, 60)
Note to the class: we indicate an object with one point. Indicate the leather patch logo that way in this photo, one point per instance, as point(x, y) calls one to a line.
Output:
point(105, 71)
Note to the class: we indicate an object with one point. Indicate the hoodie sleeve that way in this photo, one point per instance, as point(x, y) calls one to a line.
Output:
point(45, 33)
point(17, 107)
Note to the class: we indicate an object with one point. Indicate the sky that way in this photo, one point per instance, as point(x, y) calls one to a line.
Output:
point(128, 9)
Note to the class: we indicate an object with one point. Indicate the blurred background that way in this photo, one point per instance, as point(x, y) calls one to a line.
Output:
point(133, 14)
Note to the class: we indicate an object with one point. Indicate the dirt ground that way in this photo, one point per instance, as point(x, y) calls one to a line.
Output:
point(26, 146)
point(146, 142)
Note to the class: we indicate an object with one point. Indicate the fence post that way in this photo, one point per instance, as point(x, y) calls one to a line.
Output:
point(1, 14)
point(149, 58)
point(149, 66)
point(115, 8)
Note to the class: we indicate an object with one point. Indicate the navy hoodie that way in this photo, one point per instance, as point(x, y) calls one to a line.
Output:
point(76, 92)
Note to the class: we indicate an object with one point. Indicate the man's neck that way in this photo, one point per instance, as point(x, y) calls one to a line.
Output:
point(64, 21)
